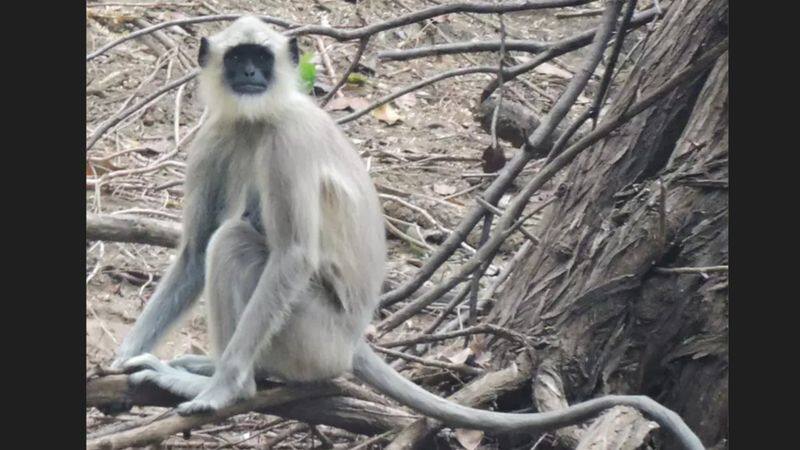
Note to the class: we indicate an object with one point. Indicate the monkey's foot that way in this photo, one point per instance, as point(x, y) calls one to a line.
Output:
point(176, 381)
point(223, 392)
point(142, 362)
point(197, 407)
point(198, 364)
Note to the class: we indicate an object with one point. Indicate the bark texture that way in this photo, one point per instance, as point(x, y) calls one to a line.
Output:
point(653, 194)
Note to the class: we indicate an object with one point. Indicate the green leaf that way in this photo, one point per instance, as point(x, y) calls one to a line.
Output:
point(357, 78)
point(308, 71)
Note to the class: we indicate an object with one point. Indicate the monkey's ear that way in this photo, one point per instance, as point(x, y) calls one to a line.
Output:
point(294, 50)
point(202, 56)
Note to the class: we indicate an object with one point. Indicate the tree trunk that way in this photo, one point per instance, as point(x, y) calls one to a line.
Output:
point(605, 316)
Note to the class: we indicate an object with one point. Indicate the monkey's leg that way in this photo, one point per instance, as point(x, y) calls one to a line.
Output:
point(236, 257)
point(285, 275)
point(184, 280)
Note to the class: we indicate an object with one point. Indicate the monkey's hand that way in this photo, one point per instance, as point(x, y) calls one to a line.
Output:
point(121, 363)
point(227, 386)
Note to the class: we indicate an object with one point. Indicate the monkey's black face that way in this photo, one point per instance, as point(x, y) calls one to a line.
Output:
point(248, 68)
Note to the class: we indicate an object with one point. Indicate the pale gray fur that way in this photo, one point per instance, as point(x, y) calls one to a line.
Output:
point(296, 261)
point(291, 302)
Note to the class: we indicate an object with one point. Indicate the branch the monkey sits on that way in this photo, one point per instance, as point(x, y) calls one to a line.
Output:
point(284, 235)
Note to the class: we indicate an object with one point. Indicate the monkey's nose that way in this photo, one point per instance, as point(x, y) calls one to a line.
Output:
point(249, 70)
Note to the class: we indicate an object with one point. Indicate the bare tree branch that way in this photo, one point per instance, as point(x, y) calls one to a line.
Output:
point(478, 392)
point(117, 118)
point(553, 50)
point(171, 23)
point(518, 203)
point(501, 183)
point(357, 33)
point(605, 81)
point(519, 45)
point(475, 282)
point(478, 329)
point(312, 403)
point(413, 87)
point(132, 229)
point(434, 11)
point(362, 45)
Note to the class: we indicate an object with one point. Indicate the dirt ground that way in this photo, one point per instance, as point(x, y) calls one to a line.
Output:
point(429, 157)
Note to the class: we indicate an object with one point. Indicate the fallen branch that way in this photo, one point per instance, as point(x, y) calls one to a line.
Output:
point(700, 270)
point(619, 428)
point(496, 189)
point(516, 206)
point(462, 368)
point(171, 23)
point(515, 121)
point(480, 391)
point(554, 50)
point(478, 329)
point(605, 81)
point(581, 13)
point(117, 118)
point(312, 403)
point(434, 11)
point(520, 45)
point(132, 229)
point(362, 45)
point(413, 87)
point(357, 33)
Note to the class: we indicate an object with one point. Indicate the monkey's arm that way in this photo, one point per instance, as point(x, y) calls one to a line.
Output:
point(176, 292)
point(184, 280)
point(287, 274)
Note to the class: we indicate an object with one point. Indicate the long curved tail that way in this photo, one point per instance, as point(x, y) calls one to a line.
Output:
point(373, 370)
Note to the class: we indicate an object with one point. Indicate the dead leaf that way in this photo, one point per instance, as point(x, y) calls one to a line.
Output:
point(161, 147)
point(444, 189)
point(407, 101)
point(95, 168)
point(338, 104)
point(461, 357)
point(386, 114)
point(469, 439)
point(358, 103)
point(483, 359)
point(553, 70)
point(582, 100)
point(350, 103)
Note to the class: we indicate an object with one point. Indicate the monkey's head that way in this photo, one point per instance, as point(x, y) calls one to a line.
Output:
point(248, 71)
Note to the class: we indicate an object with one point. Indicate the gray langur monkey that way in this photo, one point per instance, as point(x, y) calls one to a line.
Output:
point(283, 233)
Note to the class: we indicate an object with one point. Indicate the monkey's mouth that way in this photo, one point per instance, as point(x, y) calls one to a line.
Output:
point(249, 88)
